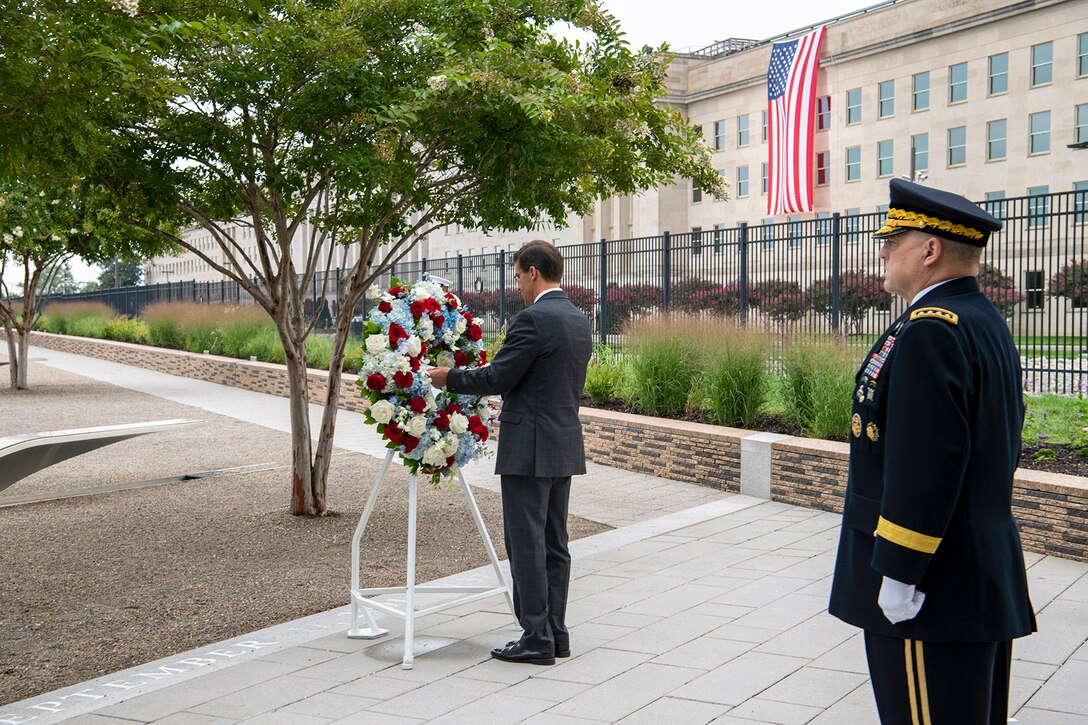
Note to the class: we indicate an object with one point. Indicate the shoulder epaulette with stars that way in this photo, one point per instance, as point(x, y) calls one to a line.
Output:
point(938, 313)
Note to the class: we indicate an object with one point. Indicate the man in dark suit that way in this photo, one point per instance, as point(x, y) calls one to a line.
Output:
point(929, 561)
point(540, 371)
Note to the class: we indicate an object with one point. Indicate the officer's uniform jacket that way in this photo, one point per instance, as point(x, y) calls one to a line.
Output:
point(935, 438)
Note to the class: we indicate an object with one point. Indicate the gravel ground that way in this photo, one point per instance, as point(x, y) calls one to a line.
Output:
point(95, 584)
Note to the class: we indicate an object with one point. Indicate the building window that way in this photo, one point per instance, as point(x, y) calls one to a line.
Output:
point(1080, 202)
point(794, 231)
point(1039, 132)
point(696, 195)
point(1035, 289)
point(696, 240)
point(763, 178)
point(957, 146)
point(851, 224)
point(823, 113)
point(1082, 54)
point(719, 238)
point(999, 74)
point(885, 150)
point(957, 83)
point(719, 135)
point(853, 106)
point(742, 130)
point(853, 163)
point(823, 227)
point(767, 228)
point(1038, 206)
point(1080, 123)
point(1042, 64)
point(742, 181)
point(823, 171)
point(763, 126)
point(995, 139)
point(995, 203)
point(886, 99)
point(920, 92)
point(919, 153)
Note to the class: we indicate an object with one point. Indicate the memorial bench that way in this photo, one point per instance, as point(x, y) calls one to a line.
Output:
point(23, 455)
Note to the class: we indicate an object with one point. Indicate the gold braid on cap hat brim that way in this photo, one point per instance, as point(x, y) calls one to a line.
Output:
point(899, 218)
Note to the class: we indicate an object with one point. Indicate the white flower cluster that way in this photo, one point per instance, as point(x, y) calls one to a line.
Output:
point(127, 6)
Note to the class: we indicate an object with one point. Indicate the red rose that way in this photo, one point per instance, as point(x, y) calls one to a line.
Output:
point(438, 320)
point(450, 460)
point(483, 357)
point(393, 433)
point(474, 333)
point(453, 408)
point(396, 333)
point(376, 382)
point(396, 291)
point(403, 380)
point(417, 404)
point(461, 359)
point(442, 421)
point(422, 348)
point(409, 443)
point(432, 305)
point(451, 301)
point(477, 427)
point(385, 307)
point(414, 362)
point(468, 318)
point(417, 308)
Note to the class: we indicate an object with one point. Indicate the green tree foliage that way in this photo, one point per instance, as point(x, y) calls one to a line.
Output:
point(999, 289)
point(1071, 281)
point(119, 272)
point(371, 124)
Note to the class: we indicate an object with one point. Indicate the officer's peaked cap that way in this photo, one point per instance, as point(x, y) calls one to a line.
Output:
point(942, 213)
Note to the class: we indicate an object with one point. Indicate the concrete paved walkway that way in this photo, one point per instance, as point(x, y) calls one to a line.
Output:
point(700, 607)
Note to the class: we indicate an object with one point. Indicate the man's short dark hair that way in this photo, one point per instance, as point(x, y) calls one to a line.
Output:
point(542, 255)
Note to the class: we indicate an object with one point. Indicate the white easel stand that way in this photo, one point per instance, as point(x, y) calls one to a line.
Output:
point(362, 597)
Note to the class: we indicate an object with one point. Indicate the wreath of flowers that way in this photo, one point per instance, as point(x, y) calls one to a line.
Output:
point(413, 328)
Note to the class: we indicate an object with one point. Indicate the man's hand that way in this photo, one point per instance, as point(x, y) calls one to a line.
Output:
point(438, 376)
point(899, 601)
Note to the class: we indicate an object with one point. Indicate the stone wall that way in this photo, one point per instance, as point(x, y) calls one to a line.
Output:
point(1052, 508)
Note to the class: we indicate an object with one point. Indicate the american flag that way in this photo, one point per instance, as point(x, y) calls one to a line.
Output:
point(791, 101)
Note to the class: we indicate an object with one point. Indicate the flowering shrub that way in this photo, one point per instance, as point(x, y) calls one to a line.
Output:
point(411, 329)
point(683, 295)
point(1071, 281)
point(782, 301)
point(583, 298)
point(999, 288)
point(723, 300)
point(626, 302)
point(859, 292)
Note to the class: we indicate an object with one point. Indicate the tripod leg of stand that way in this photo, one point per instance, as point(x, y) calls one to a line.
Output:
point(482, 528)
point(372, 631)
point(409, 604)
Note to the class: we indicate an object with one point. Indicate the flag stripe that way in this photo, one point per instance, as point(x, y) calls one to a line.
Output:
point(791, 91)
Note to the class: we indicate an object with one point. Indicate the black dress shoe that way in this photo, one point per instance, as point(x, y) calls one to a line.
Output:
point(558, 653)
point(516, 653)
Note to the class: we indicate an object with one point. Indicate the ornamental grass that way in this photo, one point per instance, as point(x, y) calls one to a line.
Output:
point(664, 365)
point(733, 383)
point(85, 319)
point(816, 384)
point(605, 374)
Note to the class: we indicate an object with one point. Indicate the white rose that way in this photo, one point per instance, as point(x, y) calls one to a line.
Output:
point(382, 411)
point(411, 346)
point(420, 293)
point(445, 359)
point(460, 326)
point(426, 328)
point(450, 444)
point(458, 423)
point(434, 456)
point(417, 425)
point(376, 344)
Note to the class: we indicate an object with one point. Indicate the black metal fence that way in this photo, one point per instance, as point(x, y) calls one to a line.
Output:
point(813, 276)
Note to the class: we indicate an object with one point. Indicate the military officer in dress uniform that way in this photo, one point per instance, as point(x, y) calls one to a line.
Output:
point(929, 561)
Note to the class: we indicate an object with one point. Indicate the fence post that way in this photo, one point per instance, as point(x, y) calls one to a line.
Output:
point(836, 275)
point(666, 269)
point(460, 274)
point(502, 288)
point(603, 292)
point(742, 277)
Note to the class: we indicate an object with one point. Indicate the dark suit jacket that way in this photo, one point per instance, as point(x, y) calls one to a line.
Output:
point(935, 438)
point(540, 370)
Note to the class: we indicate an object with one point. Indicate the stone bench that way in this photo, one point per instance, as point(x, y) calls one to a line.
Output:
point(23, 455)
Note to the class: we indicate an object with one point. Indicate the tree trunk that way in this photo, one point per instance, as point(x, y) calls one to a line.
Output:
point(307, 491)
point(332, 405)
point(21, 359)
point(13, 357)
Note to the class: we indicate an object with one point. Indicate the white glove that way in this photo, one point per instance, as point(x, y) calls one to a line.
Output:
point(899, 601)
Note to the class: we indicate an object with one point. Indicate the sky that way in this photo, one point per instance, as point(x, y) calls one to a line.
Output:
point(685, 25)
